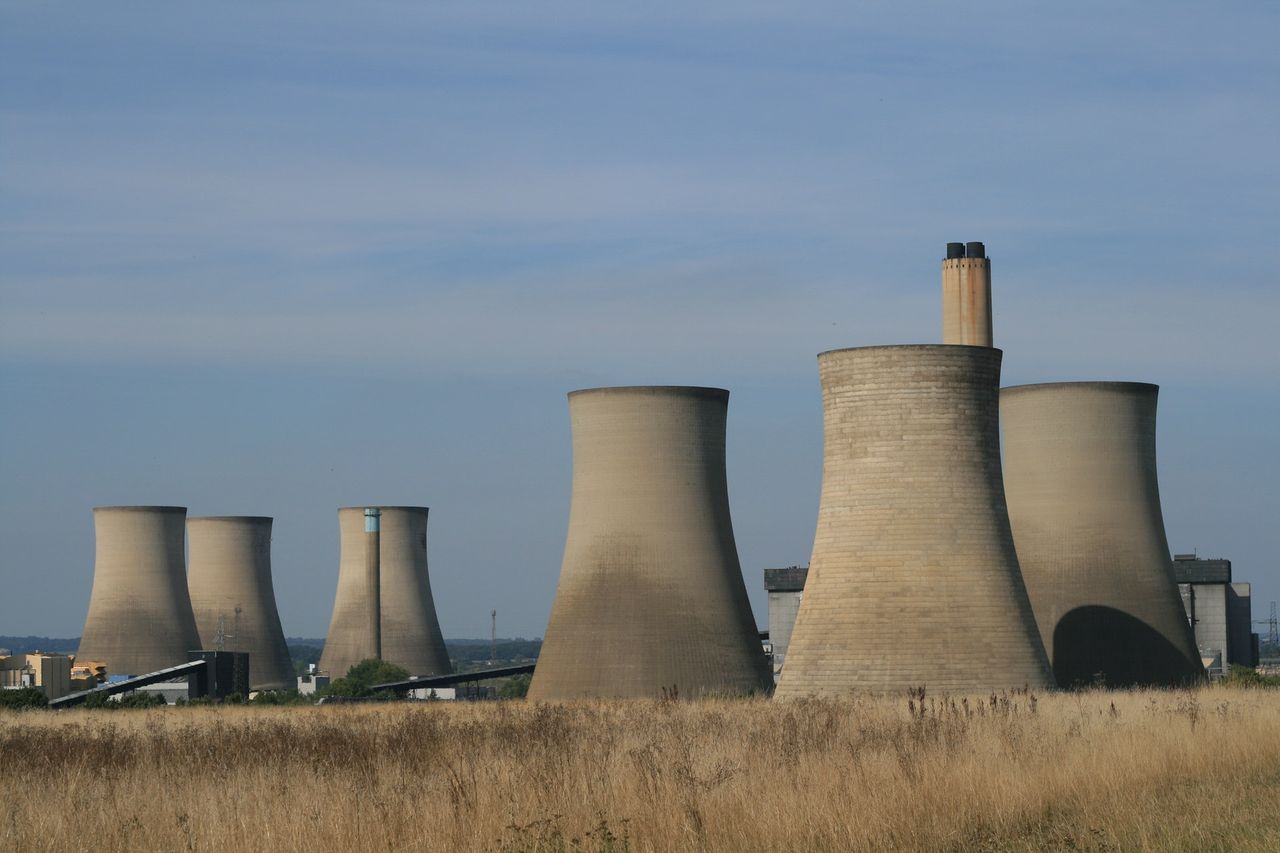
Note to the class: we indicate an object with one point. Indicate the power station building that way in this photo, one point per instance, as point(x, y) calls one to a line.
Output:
point(140, 617)
point(1220, 612)
point(233, 598)
point(651, 599)
point(914, 580)
point(1080, 474)
point(410, 630)
point(785, 588)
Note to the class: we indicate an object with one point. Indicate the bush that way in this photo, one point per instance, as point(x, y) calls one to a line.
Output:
point(22, 699)
point(515, 687)
point(138, 699)
point(279, 697)
point(1247, 676)
point(358, 680)
point(100, 701)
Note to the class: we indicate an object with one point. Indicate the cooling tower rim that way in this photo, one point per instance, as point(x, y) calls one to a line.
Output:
point(422, 509)
point(134, 508)
point(921, 347)
point(1097, 385)
point(703, 391)
point(248, 519)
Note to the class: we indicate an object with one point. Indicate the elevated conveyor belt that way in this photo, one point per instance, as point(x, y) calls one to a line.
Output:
point(167, 674)
point(454, 678)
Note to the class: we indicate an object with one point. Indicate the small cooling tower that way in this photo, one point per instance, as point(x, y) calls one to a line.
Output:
point(651, 598)
point(140, 616)
point(1080, 472)
point(233, 598)
point(411, 635)
point(913, 580)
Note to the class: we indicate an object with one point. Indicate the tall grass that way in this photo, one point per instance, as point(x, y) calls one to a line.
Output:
point(1095, 771)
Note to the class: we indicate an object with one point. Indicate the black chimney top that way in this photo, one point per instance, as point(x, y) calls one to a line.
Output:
point(955, 250)
point(975, 250)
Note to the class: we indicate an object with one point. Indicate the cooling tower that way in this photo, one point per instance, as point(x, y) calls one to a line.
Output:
point(139, 612)
point(1080, 471)
point(913, 580)
point(232, 596)
point(410, 631)
point(966, 295)
point(651, 597)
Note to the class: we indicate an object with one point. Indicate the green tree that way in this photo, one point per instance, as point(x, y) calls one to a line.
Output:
point(360, 678)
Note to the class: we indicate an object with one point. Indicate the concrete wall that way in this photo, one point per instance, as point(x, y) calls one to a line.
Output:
point(651, 596)
point(411, 635)
point(913, 580)
point(1206, 605)
point(1240, 625)
point(784, 606)
point(1080, 473)
point(230, 581)
point(140, 617)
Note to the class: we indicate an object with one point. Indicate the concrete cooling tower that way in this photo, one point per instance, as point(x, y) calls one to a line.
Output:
point(651, 597)
point(966, 295)
point(232, 595)
point(1080, 472)
point(139, 612)
point(913, 580)
point(411, 635)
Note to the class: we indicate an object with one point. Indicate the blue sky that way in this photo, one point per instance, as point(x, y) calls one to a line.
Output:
point(278, 258)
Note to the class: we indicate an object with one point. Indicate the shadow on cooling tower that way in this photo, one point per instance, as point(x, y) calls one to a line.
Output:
point(1092, 640)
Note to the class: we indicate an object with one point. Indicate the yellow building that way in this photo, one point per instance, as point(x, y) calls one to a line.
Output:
point(50, 673)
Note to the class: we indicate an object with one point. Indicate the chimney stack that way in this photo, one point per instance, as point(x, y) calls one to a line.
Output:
point(966, 295)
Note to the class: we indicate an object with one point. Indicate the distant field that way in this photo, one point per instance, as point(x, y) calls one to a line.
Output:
point(1096, 771)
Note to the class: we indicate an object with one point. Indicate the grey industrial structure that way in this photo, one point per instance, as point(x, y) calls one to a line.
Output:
point(1080, 476)
point(785, 588)
point(140, 617)
point(1219, 610)
point(410, 629)
point(913, 578)
point(232, 596)
point(651, 598)
point(933, 563)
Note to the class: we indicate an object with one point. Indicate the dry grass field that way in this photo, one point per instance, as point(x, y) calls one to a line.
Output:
point(1095, 771)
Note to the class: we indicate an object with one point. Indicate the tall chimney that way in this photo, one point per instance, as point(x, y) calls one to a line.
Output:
point(373, 583)
point(966, 295)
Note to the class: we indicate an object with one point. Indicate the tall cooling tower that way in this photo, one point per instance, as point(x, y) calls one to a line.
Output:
point(651, 597)
point(411, 635)
point(140, 616)
point(232, 595)
point(1080, 471)
point(913, 580)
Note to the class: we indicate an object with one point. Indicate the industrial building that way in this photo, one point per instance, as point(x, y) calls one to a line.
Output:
point(913, 579)
point(1219, 610)
point(232, 596)
point(651, 600)
point(140, 617)
point(409, 630)
point(1084, 503)
point(48, 673)
point(785, 588)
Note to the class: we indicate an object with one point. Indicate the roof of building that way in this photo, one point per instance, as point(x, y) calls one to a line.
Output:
point(1194, 570)
point(790, 579)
